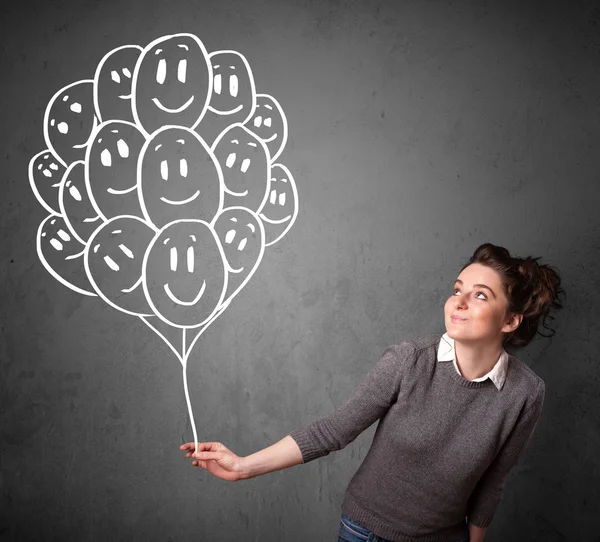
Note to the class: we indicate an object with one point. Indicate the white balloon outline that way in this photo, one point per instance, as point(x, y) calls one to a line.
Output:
point(63, 281)
point(222, 306)
point(145, 265)
point(88, 151)
point(47, 115)
point(252, 84)
point(136, 71)
point(34, 187)
point(61, 202)
point(86, 264)
point(294, 215)
point(265, 148)
point(143, 154)
point(97, 76)
point(285, 125)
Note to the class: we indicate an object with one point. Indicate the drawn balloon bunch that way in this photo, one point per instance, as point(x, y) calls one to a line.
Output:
point(162, 183)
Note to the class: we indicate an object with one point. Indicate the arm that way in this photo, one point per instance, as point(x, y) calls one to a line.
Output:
point(281, 455)
point(369, 402)
point(476, 533)
point(489, 490)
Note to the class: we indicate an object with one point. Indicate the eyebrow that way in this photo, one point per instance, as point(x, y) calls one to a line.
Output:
point(480, 285)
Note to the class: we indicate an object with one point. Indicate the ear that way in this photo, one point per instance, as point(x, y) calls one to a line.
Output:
point(513, 323)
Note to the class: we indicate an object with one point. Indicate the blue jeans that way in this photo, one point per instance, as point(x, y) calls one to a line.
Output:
point(352, 531)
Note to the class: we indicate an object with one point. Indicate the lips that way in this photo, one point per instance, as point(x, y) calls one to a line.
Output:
point(454, 317)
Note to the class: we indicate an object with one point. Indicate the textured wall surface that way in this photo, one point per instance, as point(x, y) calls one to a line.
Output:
point(417, 131)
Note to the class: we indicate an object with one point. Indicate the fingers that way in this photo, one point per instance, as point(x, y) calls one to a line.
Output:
point(201, 446)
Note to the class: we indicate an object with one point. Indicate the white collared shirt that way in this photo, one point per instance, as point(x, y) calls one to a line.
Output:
point(497, 375)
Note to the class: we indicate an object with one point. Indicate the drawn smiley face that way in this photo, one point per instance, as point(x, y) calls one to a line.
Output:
point(61, 253)
point(179, 177)
point(242, 237)
point(270, 124)
point(70, 120)
point(112, 83)
point(75, 203)
point(184, 273)
point(233, 94)
point(45, 174)
point(111, 169)
point(281, 207)
point(113, 261)
point(245, 162)
point(172, 83)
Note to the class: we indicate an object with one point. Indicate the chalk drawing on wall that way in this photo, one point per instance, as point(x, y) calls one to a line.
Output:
point(162, 186)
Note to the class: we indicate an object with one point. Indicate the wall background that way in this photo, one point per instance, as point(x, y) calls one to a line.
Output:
point(417, 131)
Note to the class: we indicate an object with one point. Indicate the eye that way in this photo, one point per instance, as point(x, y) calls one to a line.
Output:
point(190, 259)
point(217, 83)
point(181, 70)
point(161, 71)
point(478, 292)
point(233, 85)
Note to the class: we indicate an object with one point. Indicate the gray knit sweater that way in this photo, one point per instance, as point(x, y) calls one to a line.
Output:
point(442, 449)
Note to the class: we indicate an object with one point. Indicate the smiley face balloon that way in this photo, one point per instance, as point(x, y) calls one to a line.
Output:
point(113, 261)
point(243, 239)
point(111, 169)
point(112, 84)
point(45, 174)
point(179, 177)
point(172, 83)
point(184, 273)
point(69, 121)
point(75, 203)
point(62, 254)
point(245, 161)
point(270, 124)
point(281, 208)
point(233, 97)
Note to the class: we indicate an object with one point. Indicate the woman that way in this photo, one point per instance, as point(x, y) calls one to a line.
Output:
point(456, 412)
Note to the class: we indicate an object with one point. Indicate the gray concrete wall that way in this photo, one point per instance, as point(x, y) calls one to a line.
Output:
point(417, 131)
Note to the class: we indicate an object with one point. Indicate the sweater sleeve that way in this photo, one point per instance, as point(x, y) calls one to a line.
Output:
point(489, 490)
point(370, 400)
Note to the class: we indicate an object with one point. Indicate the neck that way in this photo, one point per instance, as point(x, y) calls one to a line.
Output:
point(476, 359)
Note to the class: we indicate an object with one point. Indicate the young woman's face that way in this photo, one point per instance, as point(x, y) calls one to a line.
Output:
point(478, 298)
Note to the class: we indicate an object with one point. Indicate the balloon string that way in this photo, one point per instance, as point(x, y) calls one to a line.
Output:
point(187, 394)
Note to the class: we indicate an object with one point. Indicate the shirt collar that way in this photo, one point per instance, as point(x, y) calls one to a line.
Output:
point(497, 375)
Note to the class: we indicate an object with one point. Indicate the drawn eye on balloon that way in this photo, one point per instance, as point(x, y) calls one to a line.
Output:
point(281, 207)
point(179, 177)
point(112, 84)
point(61, 253)
point(246, 166)
point(184, 274)
point(242, 236)
point(233, 97)
point(270, 124)
point(113, 261)
point(70, 120)
point(172, 83)
point(45, 175)
point(75, 204)
point(111, 169)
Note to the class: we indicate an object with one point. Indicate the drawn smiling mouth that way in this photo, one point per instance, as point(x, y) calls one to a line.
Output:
point(120, 192)
point(127, 290)
point(271, 138)
point(186, 303)
point(235, 193)
point(177, 110)
point(275, 221)
point(230, 112)
point(176, 202)
point(125, 96)
point(232, 270)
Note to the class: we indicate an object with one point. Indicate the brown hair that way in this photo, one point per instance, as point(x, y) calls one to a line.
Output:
point(532, 290)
